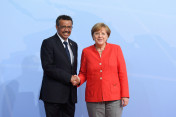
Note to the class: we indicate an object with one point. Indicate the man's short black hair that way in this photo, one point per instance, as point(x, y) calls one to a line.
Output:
point(63, 17)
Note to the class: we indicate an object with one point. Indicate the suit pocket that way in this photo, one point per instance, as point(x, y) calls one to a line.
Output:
point(114, 87)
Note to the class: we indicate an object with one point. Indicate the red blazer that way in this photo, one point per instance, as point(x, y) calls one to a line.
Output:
point(106, 76)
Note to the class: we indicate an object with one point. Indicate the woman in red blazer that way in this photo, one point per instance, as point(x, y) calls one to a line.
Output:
point(103, 67)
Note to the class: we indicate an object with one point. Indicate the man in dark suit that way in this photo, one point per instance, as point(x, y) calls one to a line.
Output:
point(59, 63)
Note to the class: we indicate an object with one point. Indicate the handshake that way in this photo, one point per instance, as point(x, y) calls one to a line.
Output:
point(75, 80)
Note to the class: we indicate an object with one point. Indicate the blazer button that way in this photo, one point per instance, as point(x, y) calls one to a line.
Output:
point(99, 63)
point(100, 70)
point(100, 78)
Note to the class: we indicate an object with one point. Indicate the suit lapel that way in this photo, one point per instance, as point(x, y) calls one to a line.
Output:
point(61, 47)
point(72, 47)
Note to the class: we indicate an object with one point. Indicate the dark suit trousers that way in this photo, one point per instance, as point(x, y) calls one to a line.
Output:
point(59, 109)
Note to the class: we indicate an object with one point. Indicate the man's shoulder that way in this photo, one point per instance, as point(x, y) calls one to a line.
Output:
point(50, 38)
point(49, 41)
point(72, 42)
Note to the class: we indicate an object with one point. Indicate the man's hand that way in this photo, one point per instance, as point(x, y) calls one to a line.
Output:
point(75, 80)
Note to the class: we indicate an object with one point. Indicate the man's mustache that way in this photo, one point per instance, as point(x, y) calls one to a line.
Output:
point(66, 32)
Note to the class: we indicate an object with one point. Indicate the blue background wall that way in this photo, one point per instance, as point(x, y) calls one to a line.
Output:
point(145, 29)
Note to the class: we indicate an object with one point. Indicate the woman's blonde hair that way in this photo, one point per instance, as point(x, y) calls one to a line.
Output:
point(98, 27)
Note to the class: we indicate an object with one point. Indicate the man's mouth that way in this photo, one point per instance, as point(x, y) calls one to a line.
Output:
point(66, 32)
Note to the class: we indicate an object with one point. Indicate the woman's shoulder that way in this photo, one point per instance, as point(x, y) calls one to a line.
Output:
point(113, 45)
point(88, 48)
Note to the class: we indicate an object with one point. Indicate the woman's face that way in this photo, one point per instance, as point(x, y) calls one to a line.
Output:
point(100, 37)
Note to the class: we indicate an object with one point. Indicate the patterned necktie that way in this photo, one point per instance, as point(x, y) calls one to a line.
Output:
point(66, 49)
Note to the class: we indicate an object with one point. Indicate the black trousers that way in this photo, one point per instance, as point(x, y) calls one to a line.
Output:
point(59, 109)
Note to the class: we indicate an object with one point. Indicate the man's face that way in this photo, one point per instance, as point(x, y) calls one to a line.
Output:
point(64, 29)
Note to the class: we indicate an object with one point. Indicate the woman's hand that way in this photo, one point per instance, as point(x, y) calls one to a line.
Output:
point(125, 101)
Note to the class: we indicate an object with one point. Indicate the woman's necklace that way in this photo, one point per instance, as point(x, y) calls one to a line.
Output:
point(100, 49)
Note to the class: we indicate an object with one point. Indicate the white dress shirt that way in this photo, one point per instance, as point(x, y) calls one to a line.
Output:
point(69, 48)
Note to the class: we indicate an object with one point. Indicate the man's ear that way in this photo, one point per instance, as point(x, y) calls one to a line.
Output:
point(56, 27)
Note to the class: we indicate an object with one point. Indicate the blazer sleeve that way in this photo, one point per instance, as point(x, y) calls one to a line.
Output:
point(83, 69)
point(50, 69)
point(122, 72)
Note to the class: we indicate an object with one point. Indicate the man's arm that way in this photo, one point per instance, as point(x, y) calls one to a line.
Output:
point(50, 69)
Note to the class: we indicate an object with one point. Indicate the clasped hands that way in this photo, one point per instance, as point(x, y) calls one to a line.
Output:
point(75, 80)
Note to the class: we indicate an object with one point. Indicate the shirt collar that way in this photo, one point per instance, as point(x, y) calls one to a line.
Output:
point(62, 40)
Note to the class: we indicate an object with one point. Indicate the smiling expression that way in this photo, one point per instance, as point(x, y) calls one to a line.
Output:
point(64, 29)
point(100, 37)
